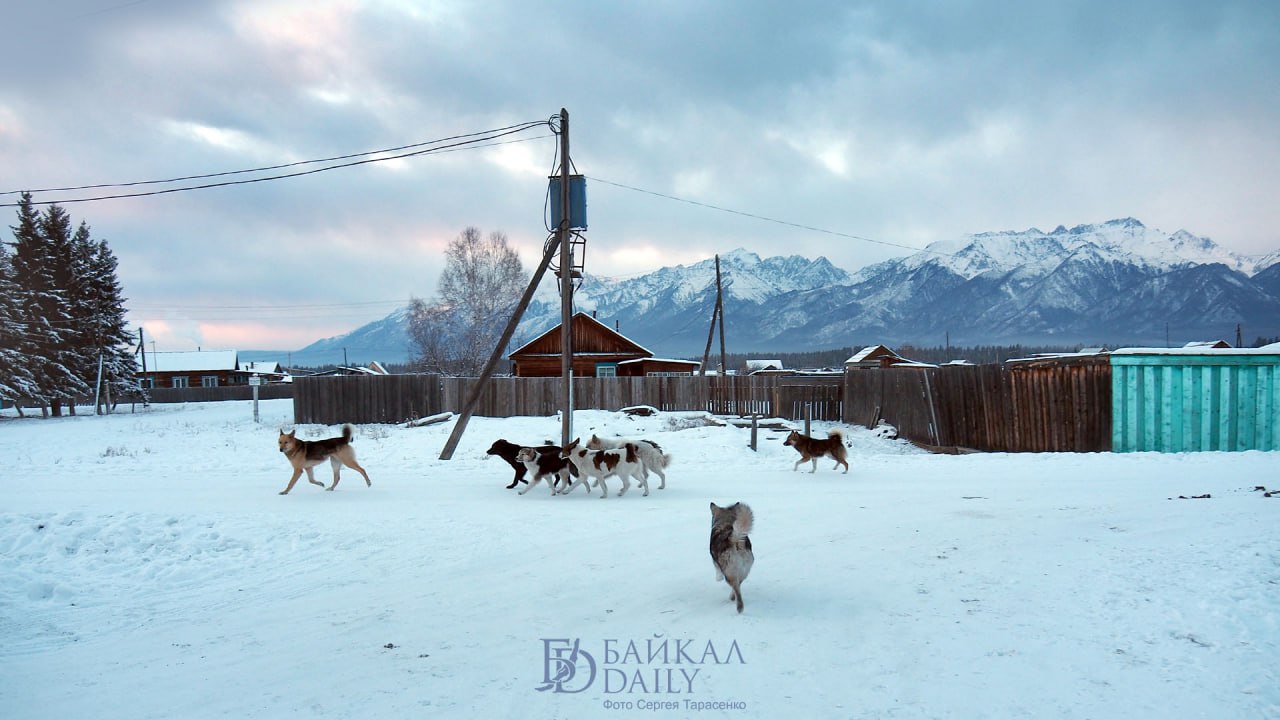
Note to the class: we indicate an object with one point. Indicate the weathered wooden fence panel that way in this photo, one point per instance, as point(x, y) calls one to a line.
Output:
point(365, 398)
point(397, 398)
point(1024, 407)
point(1038, 406)
point(276, 391)
point(823, 394)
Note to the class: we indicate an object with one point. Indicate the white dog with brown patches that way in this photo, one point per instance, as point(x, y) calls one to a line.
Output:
point(600, 464)
point(650, 453)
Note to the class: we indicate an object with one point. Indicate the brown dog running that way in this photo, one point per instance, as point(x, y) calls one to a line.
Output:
point(811, 449)
point(306, 454)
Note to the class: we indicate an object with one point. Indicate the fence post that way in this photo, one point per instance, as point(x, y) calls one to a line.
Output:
point(755, 427)
point(808, 418)
point(933, 413)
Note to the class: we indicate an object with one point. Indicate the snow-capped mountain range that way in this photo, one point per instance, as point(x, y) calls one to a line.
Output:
point(1115, 282)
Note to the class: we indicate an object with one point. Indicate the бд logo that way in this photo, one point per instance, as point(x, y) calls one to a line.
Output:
point(651, 666)
point(562, 660)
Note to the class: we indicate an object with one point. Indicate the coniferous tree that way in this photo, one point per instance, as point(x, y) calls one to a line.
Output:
point(113, 340)
point(70, 354)
point(39, 304)
point(16, 380)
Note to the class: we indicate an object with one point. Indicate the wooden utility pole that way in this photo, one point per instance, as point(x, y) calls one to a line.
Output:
point(724, 366)
point(711, 331)
point(566, 286)
point(717, 314)
point(561, 243)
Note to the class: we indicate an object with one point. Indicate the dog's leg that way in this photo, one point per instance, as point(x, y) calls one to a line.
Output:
point(529, 487)
point(519, 476)
point(797, 465)
point(736, 584)
point(815, 466)
point(839, 463)
point(662, 475)
point(644, 483)
point(351, 463)
point(297, 473)
point(604, 488)
point(336, 464)
point(311, 478)
point(626, 483)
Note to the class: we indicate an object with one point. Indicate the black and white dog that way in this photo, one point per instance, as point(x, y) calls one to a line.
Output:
point(508, 450)
point(551, 466)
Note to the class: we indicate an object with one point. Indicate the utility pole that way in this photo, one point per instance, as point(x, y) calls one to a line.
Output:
point(566, 286)
point(724, 366)
point(561, 243)
point(717, 314)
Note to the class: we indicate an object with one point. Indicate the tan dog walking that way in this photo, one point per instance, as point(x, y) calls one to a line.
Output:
point(306, 454)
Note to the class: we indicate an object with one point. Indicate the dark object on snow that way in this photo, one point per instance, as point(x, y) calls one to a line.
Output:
point(1195, 497)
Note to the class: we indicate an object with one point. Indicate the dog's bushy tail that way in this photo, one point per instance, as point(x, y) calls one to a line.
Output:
point(837, 434)
point(743, 519)
point(347, 431)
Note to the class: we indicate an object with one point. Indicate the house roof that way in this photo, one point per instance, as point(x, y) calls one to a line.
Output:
point(192, 361)
point(625, 344)
point(754, 365)
point(868, 353)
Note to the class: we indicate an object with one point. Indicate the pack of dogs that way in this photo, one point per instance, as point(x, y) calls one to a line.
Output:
point(590, 464)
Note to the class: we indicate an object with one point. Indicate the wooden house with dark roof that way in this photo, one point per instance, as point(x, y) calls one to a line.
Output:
point(598, 350)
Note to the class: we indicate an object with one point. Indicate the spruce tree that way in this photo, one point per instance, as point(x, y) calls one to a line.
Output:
point(113, 339)
point(72, 374)
point(39, 305)
point(16, 379)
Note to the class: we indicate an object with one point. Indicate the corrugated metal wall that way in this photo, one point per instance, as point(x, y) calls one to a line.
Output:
point(1180, 403)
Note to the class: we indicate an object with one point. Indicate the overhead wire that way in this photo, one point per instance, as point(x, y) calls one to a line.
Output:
point(477, 140)
point(765, 218)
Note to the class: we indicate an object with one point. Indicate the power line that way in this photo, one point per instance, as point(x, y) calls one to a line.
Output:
point(477, 140)
point(764, 218)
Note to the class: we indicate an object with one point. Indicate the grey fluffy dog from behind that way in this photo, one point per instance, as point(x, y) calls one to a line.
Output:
point(730, 546)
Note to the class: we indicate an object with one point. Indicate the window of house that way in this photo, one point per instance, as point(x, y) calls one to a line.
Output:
point(607, 370)
point(209, 381)
point(146, 382)
point(180, 381)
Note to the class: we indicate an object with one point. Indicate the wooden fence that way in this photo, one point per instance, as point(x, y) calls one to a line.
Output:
point(365, 398)
point(397, 398)
point(275, 391)
point(1038, 406)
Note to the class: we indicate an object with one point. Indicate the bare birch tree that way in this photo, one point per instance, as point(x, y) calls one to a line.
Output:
point(481, 282)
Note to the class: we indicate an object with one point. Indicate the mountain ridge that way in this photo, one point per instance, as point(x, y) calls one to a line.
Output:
point(1117, 281)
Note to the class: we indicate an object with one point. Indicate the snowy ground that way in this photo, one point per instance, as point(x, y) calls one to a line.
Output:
point(150, 570)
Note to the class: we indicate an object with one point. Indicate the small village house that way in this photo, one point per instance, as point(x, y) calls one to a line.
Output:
point(200, 368)
point(598, 351)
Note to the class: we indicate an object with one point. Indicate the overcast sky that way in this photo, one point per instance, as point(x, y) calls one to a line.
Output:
point(895, 122)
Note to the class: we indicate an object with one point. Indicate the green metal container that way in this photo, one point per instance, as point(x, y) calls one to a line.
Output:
point(1171, 401)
